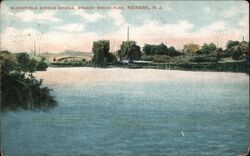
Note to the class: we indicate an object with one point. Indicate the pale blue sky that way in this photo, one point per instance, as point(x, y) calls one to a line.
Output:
point(175, 22)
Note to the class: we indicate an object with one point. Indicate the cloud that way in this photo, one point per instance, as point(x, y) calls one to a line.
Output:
point(29, 15)
point(93, 17)
point(117, 17)
point(74, 27)
point(241, 7)
point(207, 10)
point(75, 36)
point(18, 39)
point(215, 27)
point(44, 17)
point(153, 31)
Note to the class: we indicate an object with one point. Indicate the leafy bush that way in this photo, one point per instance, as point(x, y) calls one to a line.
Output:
point(27, 64)
point(30, 65)
point(156, 58)
point(19, 87)
point(236, 52)
point(204, 58)
point(41, 66)
point(231, 44)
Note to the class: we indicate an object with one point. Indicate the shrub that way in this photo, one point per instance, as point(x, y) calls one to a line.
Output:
point(41, 66)
point(20, 89)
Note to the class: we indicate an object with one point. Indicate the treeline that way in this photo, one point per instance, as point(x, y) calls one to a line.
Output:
point(19, 88)
point(160, 49)
point(130, 51)
point(234, 49)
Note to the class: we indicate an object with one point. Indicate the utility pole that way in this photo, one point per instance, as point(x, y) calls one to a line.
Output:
point(242, 38)
point(128, 34)
point(34, 48)
point(114, 45)
point(39, 50)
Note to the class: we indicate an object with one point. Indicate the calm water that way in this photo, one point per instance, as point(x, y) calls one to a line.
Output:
point(134, 112)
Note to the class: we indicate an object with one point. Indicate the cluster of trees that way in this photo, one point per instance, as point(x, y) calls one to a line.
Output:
point(102, 56)
point(235, 49)
point(130, 51)
point(19, 88)
point(238, 50)
point(207, 48)
point(30, 65)
point(196, 49)
point(160, 49)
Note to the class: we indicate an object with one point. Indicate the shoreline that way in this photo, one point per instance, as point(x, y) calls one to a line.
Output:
point(233, 67)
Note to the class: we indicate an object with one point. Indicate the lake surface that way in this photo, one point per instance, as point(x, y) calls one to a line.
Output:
point(134, 112)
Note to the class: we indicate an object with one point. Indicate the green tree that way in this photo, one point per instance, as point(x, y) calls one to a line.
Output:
point(147, 49)
point(231, 44)
point(27, 64)
point(22, 58)
point(19, 87)
point(41, 65)
point(102, 56)
point(101, 51)
point(162, 49)
point(111, 58)
point(191, 48)
point(130, 51)
point(240, 51)
point(236, 52)
point(218, 53)
point(172, 51)
point(244, 48)
point(208, 48)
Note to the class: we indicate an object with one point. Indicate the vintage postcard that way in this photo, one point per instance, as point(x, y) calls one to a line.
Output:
point(124, 78)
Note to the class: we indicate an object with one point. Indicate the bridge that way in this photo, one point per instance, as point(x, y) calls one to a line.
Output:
point(65, 58)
